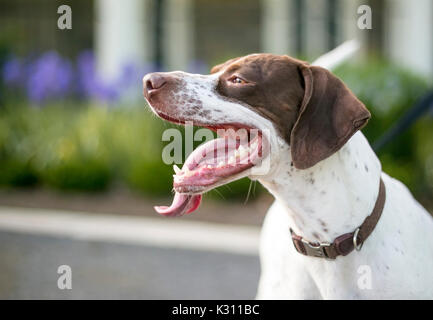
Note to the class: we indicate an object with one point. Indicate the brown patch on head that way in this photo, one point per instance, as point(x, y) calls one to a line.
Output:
point(274, 87)
point(311, 108)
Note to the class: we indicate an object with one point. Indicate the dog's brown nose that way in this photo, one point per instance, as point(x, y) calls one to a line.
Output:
point(153, 82)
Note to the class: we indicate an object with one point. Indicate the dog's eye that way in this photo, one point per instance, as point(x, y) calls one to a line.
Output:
point(237, 80)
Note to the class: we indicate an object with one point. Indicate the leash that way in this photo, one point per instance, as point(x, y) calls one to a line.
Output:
point(421, 106)
point(347, 242)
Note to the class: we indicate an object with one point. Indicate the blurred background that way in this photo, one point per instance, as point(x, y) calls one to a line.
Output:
point(78, 146)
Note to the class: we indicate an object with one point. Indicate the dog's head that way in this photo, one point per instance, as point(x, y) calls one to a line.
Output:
point(260, 105)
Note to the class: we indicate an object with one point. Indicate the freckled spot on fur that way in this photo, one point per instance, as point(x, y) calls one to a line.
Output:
point(325, 230)
point(311, 180)
point(387, 267)
point(199, 104)
point(323, 192)
point(322, 223)
point(189, 112)
point(356, 166)
point(316, 236)
point(366, 168)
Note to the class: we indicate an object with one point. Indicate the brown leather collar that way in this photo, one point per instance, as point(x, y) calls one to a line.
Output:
point(345, 243)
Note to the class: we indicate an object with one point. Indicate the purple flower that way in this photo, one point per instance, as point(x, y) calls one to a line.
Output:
point(50, 77)
point(13, 72)
point(94, 86)
point(90, 84)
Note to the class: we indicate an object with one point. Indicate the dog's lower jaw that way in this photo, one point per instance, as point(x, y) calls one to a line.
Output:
point(319, 200)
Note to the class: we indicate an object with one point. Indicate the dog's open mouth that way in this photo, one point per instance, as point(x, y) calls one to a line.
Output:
point(212, 164)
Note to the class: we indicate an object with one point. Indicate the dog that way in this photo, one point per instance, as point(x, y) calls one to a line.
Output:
point(339, 228)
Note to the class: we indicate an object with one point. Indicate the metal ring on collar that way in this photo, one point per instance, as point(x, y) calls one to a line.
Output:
point(355, 240)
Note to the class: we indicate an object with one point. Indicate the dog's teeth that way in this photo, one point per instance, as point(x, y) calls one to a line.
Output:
point(242, 134)
point(231, 160)
point(221, 164)
point(188, 172)
point(176, 169)
point(185, 171)
point(209, 166)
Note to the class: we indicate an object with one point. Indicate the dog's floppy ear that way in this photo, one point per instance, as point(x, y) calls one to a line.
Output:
point(329, 115)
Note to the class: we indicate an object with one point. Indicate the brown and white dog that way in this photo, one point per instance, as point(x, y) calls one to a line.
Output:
point(322, 173)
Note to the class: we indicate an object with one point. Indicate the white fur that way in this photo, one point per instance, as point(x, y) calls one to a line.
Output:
point(399, 252)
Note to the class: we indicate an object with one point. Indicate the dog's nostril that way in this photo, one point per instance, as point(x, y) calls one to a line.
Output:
point(155, 81)
point(149, 85)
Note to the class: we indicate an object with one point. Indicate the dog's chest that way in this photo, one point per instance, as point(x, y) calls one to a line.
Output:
point(393, 263)
point(288, 275)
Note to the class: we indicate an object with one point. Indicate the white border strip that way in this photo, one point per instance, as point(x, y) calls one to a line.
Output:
point(162, 232)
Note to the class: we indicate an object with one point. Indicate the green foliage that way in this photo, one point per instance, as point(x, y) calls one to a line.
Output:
point(388, 92)
point(16, 173)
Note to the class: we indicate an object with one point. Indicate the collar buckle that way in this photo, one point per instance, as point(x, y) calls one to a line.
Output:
point(316, 250)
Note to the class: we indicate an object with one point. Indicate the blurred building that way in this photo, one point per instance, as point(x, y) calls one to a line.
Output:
point(177, 33)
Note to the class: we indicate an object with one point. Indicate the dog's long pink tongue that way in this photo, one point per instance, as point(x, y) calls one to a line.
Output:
point(182, 203)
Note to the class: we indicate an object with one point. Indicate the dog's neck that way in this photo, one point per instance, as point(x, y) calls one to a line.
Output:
point(331, 198)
